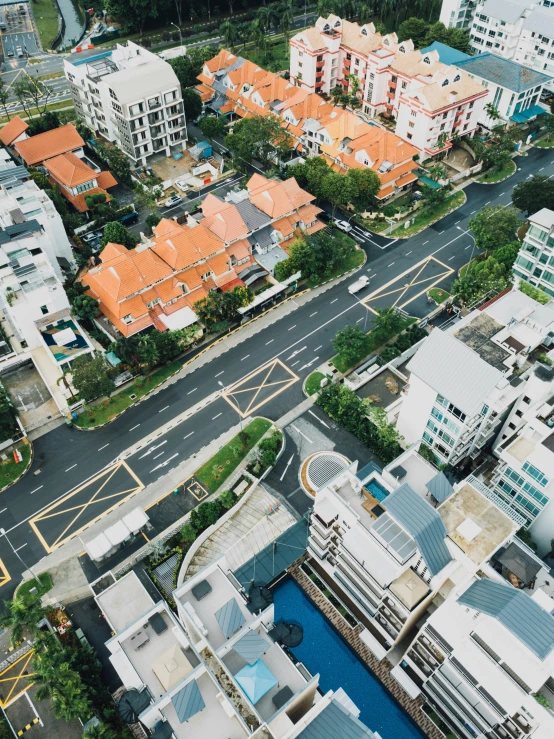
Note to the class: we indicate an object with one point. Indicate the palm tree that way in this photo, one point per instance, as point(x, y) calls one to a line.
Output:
point(100, 731)
point(229, 32)
point(20, 615)
point(287, 17)
point(437, 172)
point(336, 93)
point(492, 112)
point(257, 35)
point(56, 681)
point(268, 15)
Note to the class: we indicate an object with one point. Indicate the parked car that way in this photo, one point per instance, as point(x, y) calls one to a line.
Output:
point(324, 217)
point(9, 52)
point(173, 201)
point(19, 51)
point(342, 225)
point(91, 236)
point(182, 185)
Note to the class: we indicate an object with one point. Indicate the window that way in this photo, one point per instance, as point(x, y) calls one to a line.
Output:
point(409, 135)
point(536, 474)
point(128, 318)
point(413, 113)
point(44, 309)
point(471, 105)
point(349, 57)
point(411, 124)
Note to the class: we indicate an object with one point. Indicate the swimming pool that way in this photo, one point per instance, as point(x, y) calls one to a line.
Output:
point(377, 490)
point(324, 651)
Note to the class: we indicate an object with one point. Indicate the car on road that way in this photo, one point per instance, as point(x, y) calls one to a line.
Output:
point(19, 51)
point(360, 283)
point(182, 185)
point(342, 225)
point(173, 201)
point(9, 52)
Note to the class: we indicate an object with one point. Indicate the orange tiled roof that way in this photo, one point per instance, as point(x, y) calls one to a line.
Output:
point(406, 179)
point(308, 213)
point(219, 264)
point(240, 249)
point(185, 246)
point(284, 226)
point(276, 199)
point(106, 180)
point(225, 222)
point(12, 130)
point(385, 192)
point(221, 61)
point(49, 144)
point(247, 73)
point(78, 201)
point(318, 226)
point(69, 170)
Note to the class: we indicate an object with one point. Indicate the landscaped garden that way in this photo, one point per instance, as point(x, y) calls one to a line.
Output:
point(438, 295)
point(10, 470)
point(497, 174)
point(313, 382)
point(430, 214)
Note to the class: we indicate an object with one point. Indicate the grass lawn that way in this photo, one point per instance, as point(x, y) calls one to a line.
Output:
point(10, 471)
point(495, 175)
point(313, 382)
point(61, 105)
point(217, 469)
point(438, 295)
point(372, 345)
point(354, 261)
point(275, 60)
point(95, 415)
point(46, 585)
point(428, 215)
point(546, 143)
point(51, 76)
point(46, 16)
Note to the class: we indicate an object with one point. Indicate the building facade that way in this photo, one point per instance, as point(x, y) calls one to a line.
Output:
point(535, 261)
point(131, 97)
point(457, 13)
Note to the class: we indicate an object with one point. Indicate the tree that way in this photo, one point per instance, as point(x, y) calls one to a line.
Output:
point(433, 197)
point(259, 137)
point(32, 93)
point(212, 126)
point(319, 254)
point(4, 97)
point(338, 190)
point(187, 533)
point(336, 93)
point(152, 221)
point(117, 162)
point(205, 515)
point(532, 195)
point(8, 416)
point(41, 179)
point(47, 121)
point(90, 377)
point(386, 324)
point(414, 29)
point(365, 185)
point(507, 254)
point(21, 615)
point(227, 498)
point(285, 11)
point(437, 171)
point(494, 226)
point(492, 112)
point(100, 731)
point(228, 30)
point(351, 343)
point(116, 233)
point(192, 103)
point(85, 308)
point(222, 307)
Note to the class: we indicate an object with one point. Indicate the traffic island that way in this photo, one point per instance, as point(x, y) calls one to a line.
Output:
point(11, 471)
point(492, 176)
point(312, 384)
point(428, 216)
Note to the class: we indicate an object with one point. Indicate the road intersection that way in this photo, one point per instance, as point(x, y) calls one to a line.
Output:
point(262, 374)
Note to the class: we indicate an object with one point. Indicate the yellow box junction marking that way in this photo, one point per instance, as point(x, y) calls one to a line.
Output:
point(258, 381)
point(11, 683)
point(64, 506)
point(396, 294)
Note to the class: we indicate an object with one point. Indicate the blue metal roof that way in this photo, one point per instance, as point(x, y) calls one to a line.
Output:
point(363, 473)
point(229, 617)
point(439, 487)
point(335, 721)
point(447, 54)
point(526, 115)
point(515, 610)
point(423, 523)
point(251, 646)
point(503, 72)
point(188, 701)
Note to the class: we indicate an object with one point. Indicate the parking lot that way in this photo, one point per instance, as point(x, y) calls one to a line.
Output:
point(18, 39)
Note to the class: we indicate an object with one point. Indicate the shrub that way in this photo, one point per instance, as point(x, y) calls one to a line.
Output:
point(187, 533)
point(205, 515)
point(228, 498)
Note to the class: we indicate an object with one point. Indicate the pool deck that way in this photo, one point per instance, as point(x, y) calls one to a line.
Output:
point(380, 669)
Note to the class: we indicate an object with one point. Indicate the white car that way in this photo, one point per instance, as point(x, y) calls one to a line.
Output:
point(360, 283)
point(172, 201)
point(182, 185)
point(342, 225)
point(19, 51)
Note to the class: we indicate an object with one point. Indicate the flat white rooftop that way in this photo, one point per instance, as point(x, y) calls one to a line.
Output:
point(124, 601)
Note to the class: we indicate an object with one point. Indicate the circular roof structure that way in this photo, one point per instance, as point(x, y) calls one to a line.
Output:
point(319, 469)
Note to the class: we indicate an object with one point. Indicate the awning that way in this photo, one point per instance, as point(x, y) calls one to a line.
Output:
point(526, 115)
point(131, 704)
point(256, 680)
point(64, 337)
point(188, 701)
point(135, 520)
point(157, 622)
point(117, 533)
point(162, 731)
point(180, 319)
point(171, 667)
point(98, 547)
point(251, 647)
point(439, 487)
point(230, 618)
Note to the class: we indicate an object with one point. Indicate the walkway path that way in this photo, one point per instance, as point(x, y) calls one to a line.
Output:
point(380, 669)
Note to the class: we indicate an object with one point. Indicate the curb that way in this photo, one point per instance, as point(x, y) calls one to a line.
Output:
point(31, 460)
point(431, 223)
point(478, 182)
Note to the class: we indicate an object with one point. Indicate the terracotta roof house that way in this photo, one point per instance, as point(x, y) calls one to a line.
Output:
point(14, 130)
point(37, 149)
point(75, 179)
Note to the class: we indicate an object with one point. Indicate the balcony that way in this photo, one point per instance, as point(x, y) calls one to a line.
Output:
point(381, 621)
point(395, 609)
point(390, 618)
point(154, 104)
point(157, 132)
point(154, 118)
point(174, 110)
point(321, 530)
point(420, 663)
point(424, 654)
point(325, 524)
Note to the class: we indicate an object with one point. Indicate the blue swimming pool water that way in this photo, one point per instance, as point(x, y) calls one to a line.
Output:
point(323, 651)
point(378, 491)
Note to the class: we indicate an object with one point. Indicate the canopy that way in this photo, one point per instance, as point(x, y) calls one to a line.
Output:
point(188, 701)
point(256, 680)
point(135, 520)
point(132, 704)
point(171, 667)
point(259, 597)
point(439, 487)
point(163, 731)
point(251, 646)
point(289, 634)
point(230, 618)
point(117, 533)
point(526, 115)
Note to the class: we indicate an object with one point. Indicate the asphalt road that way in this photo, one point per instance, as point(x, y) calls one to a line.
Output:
point(287, 351)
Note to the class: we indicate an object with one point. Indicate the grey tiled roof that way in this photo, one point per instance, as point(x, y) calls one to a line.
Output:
point(516, 560)
point(333, 722)
point(11, 233)
point(423, 523)
point(230, 618)
point(262, 237)
point(439, 487)
point(503, 72)
point(188, 701)
point(251, 646)
point(505, 10)
point(515, 610)
point(252, 216)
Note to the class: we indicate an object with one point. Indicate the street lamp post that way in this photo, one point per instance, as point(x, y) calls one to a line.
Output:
point(236, 402)
point(180, 35)
point(4, 534)
point(474, 244)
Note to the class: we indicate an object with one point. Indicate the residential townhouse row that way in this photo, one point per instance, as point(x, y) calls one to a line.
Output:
point(445, 590)
point(216, 668)
point(236, 88)
point(230, 243)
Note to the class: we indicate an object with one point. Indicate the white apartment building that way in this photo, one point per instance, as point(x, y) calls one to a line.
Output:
point(482, 657)
point(21, 200)
point(391, 553)
point(515, 29)
point(465, 379)
point(535, 261)
point(430, 101)
point(131, 97)
point(457, 13)
point(188, 671)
